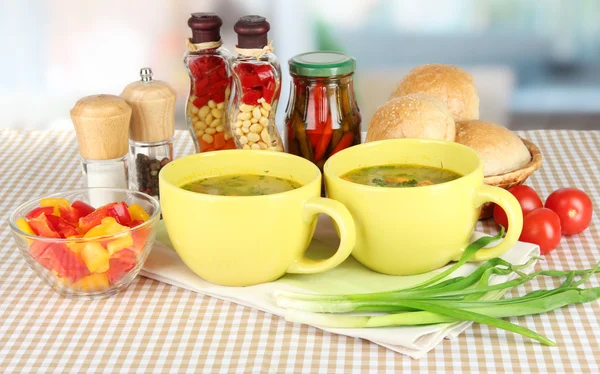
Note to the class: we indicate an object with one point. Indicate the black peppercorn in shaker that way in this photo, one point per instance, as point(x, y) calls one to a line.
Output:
point(151, 131)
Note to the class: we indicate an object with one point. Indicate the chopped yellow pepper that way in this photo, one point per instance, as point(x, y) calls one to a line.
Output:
point(95, 257)
point(55, 202)
point(92, 282)
point(120, 243)
point(138, 213)
point(108, 226)
point(23, 225)
point(75, 247)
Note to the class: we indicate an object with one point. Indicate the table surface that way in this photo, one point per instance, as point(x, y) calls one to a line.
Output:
point(156, 327)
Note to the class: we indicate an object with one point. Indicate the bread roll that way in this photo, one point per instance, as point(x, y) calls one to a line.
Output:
point(500, 149)
point(412, 116)
point(452, 85)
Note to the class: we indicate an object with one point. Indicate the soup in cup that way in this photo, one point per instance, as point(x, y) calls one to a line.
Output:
point(417, 212)
point(243, 217)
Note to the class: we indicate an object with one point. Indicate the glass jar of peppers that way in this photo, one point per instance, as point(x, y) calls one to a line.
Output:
point(208, 65)
point(257, 79)
point(322, 116)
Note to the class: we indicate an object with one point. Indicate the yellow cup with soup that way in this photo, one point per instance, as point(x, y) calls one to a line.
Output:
point(403, 229)
point(258, 235)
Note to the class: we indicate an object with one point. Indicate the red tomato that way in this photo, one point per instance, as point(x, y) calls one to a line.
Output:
point(574, 208)
point(541, 227)
point(527, 198)
point(42, 227)
point(48, 210)
point(83, 208)
point(120, 264)
point(94, 218)
point(120, 213)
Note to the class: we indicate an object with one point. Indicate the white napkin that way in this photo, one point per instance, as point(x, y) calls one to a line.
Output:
point(164, 265)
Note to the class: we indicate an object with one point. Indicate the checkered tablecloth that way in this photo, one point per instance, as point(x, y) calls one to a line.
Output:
point(153, 327)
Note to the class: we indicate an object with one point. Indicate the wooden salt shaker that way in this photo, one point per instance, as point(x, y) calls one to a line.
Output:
point(151, 132)
point(102, 126)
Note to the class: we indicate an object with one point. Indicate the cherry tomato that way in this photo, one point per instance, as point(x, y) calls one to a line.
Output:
point(527, 198)
point(573, 207)
point(541, 227)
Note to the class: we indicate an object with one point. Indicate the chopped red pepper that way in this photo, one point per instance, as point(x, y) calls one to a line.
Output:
point(251, 97)
point(120, 213)
point(83, 208)
point(135, 222)
point(39, 210)
point(219, 96)
point(69, 214)
point(269, 92)
point(38, 247)
point(64, 228)
point(140, 237)
point(264, 73)
point(120, 264)
point(345, 142)
point(42, 226)
point(93, 219)
point(201, 101)
point(67, 263)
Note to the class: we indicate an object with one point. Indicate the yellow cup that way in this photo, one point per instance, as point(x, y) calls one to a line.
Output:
point(246, 240)
point(403, 231)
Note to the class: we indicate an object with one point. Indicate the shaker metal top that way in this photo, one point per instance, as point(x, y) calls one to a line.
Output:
point(146, 74)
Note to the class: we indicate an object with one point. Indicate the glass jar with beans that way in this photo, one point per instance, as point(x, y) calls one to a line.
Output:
point(257, 79)
point(208, 65)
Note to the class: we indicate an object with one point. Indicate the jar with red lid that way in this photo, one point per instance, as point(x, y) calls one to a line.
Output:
point(209, 66)
point(322, 116)
point(257, 81)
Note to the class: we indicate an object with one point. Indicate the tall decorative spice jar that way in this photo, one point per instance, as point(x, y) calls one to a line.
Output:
point(208, 65)
point(151, 131)
point(257, 80)
point(322, 116)
point(102, 126)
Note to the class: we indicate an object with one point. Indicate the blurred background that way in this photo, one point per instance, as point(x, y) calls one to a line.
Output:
point(536, 63)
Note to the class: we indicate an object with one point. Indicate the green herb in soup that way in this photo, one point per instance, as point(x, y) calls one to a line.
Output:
point(241, 185)
point(400, 175)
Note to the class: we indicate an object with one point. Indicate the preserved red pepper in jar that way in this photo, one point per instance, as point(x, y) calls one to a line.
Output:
point(257, 79)
point(322, 116)
point(208, 64)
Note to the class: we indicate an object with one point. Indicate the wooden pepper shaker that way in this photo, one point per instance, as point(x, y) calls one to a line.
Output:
point(102, 126)
point(151, 132)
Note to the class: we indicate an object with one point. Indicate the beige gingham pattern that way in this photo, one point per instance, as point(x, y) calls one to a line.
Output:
point(153, 327)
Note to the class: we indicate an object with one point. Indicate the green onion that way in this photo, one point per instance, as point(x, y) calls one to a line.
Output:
point(440, 300)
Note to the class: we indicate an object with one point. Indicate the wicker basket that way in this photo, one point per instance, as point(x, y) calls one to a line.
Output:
point(514, 178)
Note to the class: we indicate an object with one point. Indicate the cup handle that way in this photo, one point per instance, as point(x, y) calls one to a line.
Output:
point(345, 223)
point(514, 213)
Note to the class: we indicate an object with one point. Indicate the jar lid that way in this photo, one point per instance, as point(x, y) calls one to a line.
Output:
point(252, 31)
point(205, 27)
point(322, 64)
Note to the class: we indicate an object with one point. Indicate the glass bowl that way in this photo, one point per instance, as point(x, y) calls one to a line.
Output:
point(59, 262)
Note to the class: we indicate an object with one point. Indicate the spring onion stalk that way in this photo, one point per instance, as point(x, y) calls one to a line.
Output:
point(440, 300)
